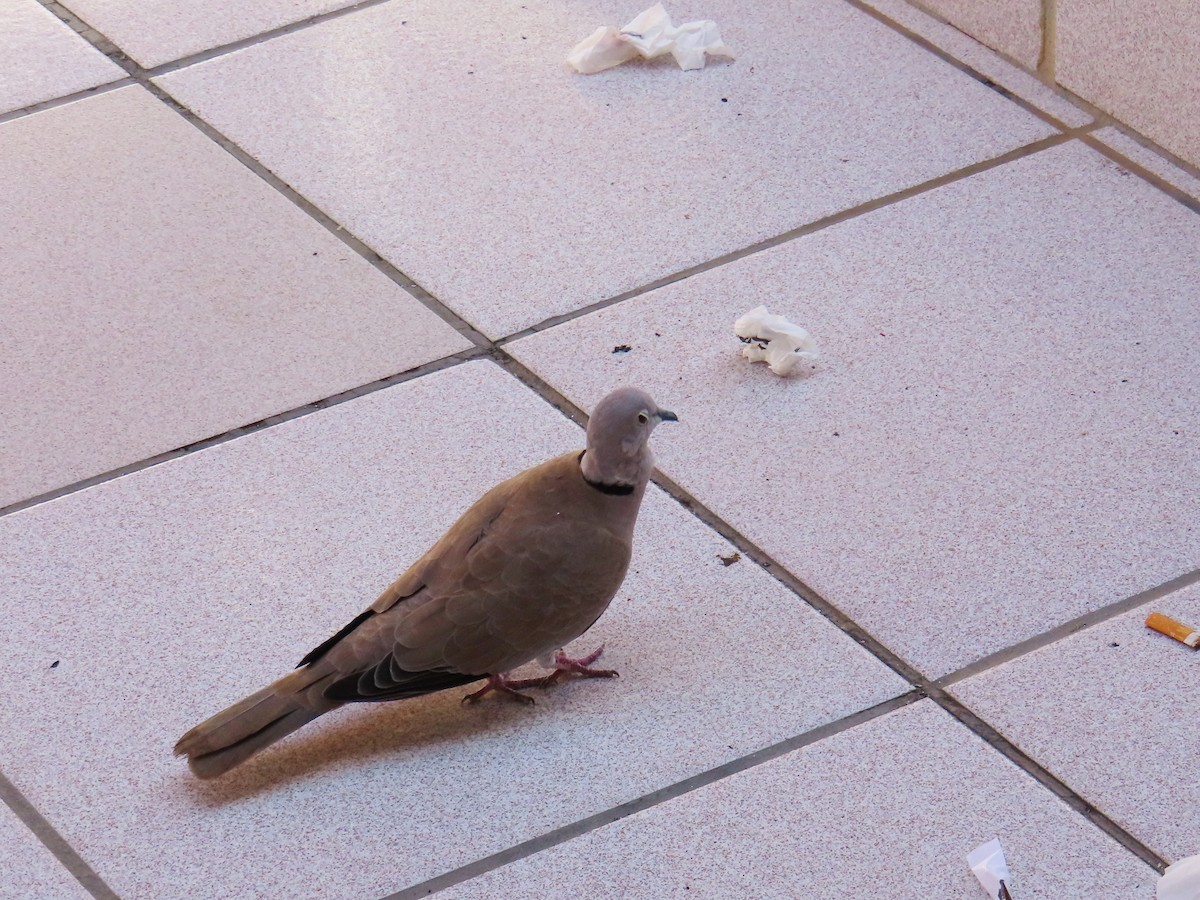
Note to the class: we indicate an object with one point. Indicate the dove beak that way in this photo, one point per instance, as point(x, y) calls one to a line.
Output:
point(665, 415)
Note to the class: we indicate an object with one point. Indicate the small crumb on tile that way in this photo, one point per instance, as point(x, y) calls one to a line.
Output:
point(1114, 644)
point(728, 561)
point(621, 348)
point(54, 665)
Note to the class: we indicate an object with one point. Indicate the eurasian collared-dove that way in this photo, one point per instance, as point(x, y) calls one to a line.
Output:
point(527, 569)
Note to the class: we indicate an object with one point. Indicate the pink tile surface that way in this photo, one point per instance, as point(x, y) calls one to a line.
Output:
point(473, 158)
point(984, 60)
point(171, 592)
point(1144, 156)
point(999, 435)
point(1010, 26)
point(157, 293)
point(889, 809)
point(159, 31)
point(30, 870)
point(1107, 710)
point(41, 58)
point(1137, 61)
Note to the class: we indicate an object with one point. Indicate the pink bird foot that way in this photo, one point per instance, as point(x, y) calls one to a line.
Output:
point(581, 666)
point(563, 664)
point(501, 684)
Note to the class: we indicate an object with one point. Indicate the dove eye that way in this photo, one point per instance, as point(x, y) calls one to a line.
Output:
point(643, 418)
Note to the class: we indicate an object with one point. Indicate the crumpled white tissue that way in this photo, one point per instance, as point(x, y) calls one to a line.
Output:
point(651, 34)
point(987, 862)
point(775, 340)
point(1181, 881)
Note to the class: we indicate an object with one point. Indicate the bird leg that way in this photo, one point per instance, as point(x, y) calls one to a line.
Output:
point(501, 684)
point(563, 664)
point(581, 666)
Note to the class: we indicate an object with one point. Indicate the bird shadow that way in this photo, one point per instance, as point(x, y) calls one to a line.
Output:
point(365, 734)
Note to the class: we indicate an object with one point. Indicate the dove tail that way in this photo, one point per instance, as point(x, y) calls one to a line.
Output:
point(234, 735)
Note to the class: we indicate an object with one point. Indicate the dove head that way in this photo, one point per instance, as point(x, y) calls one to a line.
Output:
point(617, 454)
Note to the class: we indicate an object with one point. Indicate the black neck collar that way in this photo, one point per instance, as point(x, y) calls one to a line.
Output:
point(621, 490)
point(615, 489)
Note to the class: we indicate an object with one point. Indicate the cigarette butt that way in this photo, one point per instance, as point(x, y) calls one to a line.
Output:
point(1185, 634)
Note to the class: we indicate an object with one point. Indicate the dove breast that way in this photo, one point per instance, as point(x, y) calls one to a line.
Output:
point(530, 567)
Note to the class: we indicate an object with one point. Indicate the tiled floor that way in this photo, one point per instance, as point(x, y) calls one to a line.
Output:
point(274, 313)
point(40, 59)
point(30, 869)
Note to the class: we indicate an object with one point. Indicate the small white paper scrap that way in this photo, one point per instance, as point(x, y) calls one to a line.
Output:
point(1181, 881)
point(774, 340)
point(651, 34)
point(987, 862)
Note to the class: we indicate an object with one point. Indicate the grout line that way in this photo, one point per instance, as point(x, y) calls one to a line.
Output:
point(241, 44)
point(64, 99)
point(90, 34)
point(224, 437)
point(1146, 143)
point(1100, 116)
point(1063, 93)
point(1068, 628)
point(353, 241)
point(53, 841)
point(1047, 66)
point(923, 685)
point(1142, 172)
point(142, 77)
point(110, 49)
point(1046, 73)
point(484, 346)
point(957, 63)
point(1043, 776)
point(616, 813)
point(816, 225)
point(368, 253)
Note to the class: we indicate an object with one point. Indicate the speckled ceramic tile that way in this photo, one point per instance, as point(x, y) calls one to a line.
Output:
point(889, 809)
point(157, 293)
point(1144, 156)
point(30, 870)
point(1010, 26)
point(41, 58)
point(999, 434)
point(159, 31)
point(984, 60)
point(471, 156)
point(1107, 710)
point(167, 594)
point(1138, 62)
